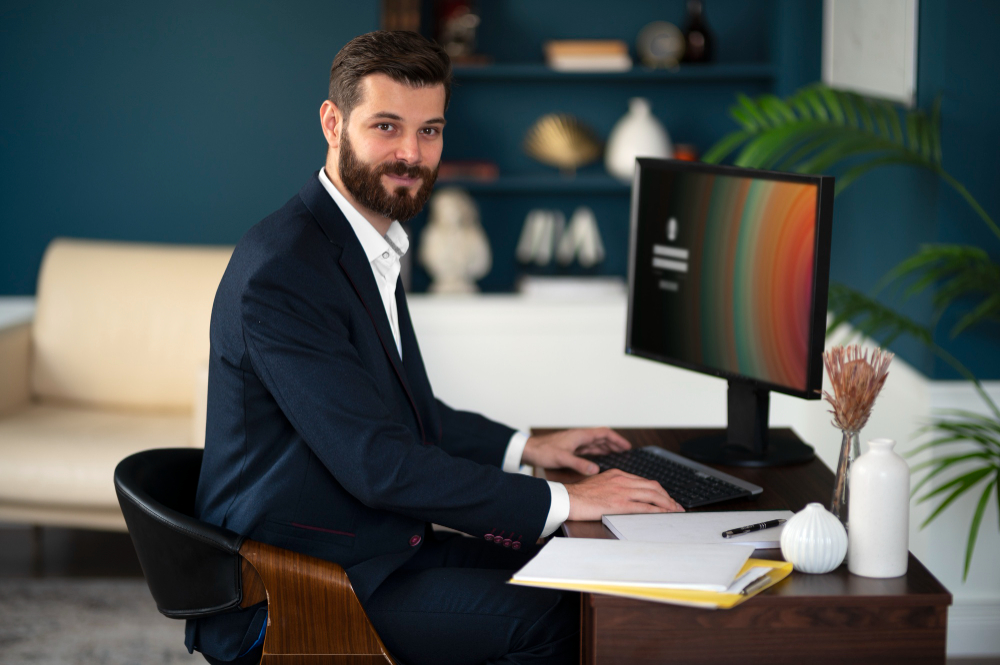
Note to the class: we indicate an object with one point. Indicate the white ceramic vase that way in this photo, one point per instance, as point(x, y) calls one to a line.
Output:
point(636, 134)
point(813, 540)
point(880, 512)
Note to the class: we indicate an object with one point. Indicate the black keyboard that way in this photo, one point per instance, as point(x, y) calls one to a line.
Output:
point(689, 487)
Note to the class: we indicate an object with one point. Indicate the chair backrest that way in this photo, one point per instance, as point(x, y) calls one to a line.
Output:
point(193, 569)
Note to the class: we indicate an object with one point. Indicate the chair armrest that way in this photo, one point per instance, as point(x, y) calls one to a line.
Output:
point(311, 608)
point(15, 356)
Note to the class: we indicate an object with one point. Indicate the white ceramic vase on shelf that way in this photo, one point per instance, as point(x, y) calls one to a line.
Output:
point(880, 512)
point(636, 134)
point(813, 540)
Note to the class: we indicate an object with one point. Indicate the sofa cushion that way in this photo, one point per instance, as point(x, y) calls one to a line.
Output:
point(58, 455)
point(123, 324)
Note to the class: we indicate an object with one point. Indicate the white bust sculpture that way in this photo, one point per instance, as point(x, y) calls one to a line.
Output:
point(453, 246)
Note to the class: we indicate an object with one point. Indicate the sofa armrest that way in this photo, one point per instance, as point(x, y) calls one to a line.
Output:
point(15, 357)
point(199, 406)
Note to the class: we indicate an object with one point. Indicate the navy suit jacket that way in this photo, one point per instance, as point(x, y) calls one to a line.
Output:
point(320, 439)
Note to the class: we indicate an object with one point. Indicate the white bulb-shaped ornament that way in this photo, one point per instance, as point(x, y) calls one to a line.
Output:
point(813, 540)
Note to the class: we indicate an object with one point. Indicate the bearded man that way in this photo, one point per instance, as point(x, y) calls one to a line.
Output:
point(323, 434)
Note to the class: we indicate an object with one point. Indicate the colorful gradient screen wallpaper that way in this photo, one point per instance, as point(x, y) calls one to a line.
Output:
point(723, 274)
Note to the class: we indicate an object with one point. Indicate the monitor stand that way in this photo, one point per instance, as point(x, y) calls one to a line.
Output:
point(747, 441)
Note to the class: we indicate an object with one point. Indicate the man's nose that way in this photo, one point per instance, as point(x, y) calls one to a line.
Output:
point(408, 150)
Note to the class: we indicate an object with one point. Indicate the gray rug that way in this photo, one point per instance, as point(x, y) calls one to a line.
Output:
point(86, 622)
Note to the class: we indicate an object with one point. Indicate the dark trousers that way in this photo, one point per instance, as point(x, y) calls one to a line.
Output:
point(451, 605)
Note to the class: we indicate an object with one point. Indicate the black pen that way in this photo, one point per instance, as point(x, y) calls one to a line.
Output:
point(752, 527)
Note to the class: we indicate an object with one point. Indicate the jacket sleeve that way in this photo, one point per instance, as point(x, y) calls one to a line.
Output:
point(472, 436)
point(300, 347)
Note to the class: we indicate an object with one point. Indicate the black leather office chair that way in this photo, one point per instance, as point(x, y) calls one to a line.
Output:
point(195, 569)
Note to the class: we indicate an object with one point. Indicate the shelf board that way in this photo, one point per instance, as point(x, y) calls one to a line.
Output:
point(543, 184)
point(539, 72)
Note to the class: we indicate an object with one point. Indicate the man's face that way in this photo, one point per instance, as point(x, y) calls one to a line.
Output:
point(390, 147)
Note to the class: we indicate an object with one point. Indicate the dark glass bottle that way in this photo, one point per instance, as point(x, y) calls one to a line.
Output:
point(698, 39)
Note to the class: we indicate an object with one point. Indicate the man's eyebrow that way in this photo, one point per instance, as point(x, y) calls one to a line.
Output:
point(386, 115)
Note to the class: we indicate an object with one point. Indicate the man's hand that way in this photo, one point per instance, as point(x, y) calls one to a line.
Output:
point(559, 450)
point(615, 492)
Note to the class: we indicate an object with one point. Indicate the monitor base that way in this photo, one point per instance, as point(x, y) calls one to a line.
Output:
point(782, 447)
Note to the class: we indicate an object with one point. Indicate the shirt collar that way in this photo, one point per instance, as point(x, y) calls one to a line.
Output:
point(374, 245)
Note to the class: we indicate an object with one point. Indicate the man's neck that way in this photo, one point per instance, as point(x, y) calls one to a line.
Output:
point(380, 223)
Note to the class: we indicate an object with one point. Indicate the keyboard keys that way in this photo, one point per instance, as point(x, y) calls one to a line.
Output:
point(689, 487)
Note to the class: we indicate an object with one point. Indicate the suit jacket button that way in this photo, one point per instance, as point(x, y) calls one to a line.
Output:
point(489, 537)
point(415, 540)
point(506, 542)
point(516, 545)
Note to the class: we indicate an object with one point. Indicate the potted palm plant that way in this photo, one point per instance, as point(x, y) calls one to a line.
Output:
point(821, 130)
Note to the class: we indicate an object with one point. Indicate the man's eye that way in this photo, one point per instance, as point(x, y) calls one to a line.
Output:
point(384, 126)
point(431, 131)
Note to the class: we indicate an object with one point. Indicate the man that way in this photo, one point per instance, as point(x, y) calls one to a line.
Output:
point(323, 433)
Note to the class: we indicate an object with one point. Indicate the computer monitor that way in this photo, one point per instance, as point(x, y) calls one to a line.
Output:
point(728, 276)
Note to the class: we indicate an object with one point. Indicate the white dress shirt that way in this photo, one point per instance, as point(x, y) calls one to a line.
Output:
point(384, 254)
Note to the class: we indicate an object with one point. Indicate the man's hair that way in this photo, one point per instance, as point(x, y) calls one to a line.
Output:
point(405, 57)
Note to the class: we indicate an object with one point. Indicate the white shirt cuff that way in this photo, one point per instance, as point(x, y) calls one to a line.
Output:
point(559, 506)
point(558, 509)
point(512, 458)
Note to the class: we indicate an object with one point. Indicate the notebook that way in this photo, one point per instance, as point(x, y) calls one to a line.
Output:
point(629, 564)
point(698, 528)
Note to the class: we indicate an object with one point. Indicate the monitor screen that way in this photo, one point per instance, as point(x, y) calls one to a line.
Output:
point(728, 272)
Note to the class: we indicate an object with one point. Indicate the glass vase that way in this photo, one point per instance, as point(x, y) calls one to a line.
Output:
point(850, 448)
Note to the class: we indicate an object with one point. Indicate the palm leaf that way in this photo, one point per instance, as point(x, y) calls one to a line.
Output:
point(939, 466)
point(893, 117)
point(954, 271)
point(744, 118)
point(977, 519)
point(958, 487)
point(851, 146)
point(855, 172)
point(847, 103)
point(777, 111)
point(836, 112)
point(750, 106)
point(987, 309)
point(871, 318)
point(864, 112)
point(767, 147)
point(724, 147)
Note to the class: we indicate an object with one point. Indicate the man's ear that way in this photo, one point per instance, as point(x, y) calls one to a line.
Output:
point(332, 121)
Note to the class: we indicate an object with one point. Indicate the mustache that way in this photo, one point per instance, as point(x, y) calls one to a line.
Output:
point(406, 170)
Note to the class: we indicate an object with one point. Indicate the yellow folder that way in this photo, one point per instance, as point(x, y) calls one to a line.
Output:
point(779, 570)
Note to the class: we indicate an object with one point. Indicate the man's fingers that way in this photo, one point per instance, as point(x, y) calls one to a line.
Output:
point(600, 440)
point(660, 499)
point(584, 466)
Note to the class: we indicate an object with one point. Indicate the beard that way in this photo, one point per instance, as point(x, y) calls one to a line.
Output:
point(364, 182)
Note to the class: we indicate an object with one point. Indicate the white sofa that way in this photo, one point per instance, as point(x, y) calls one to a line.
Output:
point(114, 362)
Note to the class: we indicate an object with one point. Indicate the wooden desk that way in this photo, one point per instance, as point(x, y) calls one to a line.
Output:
point(812, 619)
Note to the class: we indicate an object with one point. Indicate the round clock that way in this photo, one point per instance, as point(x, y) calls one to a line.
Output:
point(660, 44)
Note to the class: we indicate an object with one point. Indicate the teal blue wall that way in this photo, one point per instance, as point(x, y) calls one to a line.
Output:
point(190, 121)
point(178, 121)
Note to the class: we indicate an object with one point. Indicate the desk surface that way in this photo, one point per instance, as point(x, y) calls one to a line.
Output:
point(893, 618)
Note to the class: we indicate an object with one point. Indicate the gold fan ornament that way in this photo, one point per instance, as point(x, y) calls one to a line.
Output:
point(563, 141)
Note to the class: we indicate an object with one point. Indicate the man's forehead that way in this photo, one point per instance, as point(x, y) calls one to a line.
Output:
point(382, 95)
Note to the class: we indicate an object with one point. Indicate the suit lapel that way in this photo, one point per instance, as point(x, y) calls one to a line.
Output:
point(414, 365)
point(359, 273)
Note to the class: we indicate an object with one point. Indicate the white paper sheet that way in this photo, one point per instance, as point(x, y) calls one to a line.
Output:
point(706, 527)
